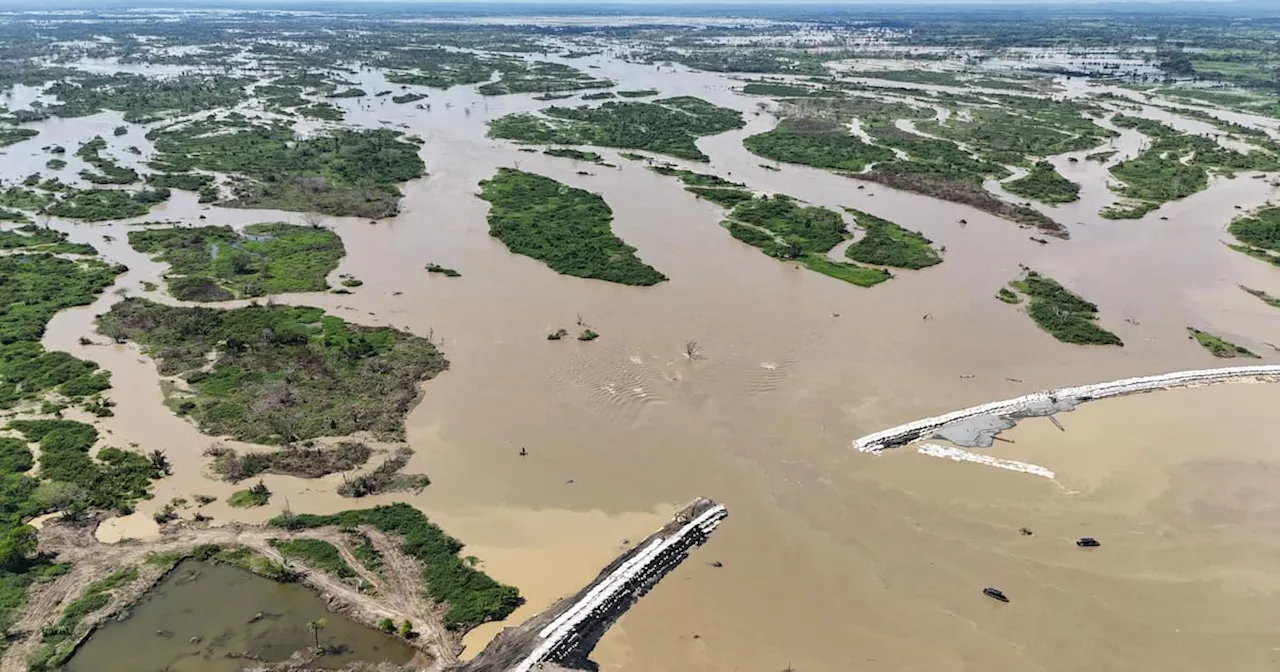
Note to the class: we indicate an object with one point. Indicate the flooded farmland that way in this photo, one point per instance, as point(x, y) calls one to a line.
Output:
point(548, 458)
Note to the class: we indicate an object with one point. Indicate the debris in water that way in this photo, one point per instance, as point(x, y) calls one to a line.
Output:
point(523, 452)
point(1087, 542)
point(1057, 424)
point(994, 594)
point(1025, 531)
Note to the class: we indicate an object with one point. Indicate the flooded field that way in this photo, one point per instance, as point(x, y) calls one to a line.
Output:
point(832, 560)
point(214, 618)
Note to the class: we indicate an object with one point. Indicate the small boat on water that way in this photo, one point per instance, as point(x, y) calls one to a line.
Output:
point(1087, 542)
point(995, 594)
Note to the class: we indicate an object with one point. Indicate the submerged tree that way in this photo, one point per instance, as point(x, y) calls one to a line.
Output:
point(315, 627)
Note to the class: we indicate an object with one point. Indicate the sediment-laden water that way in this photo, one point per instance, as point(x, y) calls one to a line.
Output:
point(832, 560)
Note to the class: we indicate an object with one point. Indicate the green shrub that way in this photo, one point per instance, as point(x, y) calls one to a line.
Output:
point(566, 228)
point(1063, 314)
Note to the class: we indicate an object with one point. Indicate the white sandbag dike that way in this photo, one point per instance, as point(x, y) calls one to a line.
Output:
point(953, 453)
point(1049, 401)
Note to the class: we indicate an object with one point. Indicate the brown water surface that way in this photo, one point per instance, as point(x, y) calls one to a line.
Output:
point(833, 560)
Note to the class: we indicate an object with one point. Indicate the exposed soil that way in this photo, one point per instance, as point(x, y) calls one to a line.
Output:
point(399, 590)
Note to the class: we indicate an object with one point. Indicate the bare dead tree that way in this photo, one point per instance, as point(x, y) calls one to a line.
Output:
point(691, 350)
point(314, 220)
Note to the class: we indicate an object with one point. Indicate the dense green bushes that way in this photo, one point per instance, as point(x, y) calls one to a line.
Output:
point(36, 286)
point(140, 97)
point(565, 228)
point(280, 374)
point(818, 143)
point(782, 228)
point(342, 173)
point(271, 258)
point(1063, 314)
point(667, 126)
point(713, 188)
point(1174, 166)
point(111, 172)
point(116, 479)
point(888, 244)
point(1260, 233)
point(1045, 184)
point(472, 596)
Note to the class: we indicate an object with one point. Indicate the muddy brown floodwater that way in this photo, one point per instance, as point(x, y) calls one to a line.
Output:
point(832, 560)
point(201, 616)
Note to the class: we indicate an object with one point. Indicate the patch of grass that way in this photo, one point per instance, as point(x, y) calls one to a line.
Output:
point(888, 244)
point(1007, 295)
point(280, 374)
point(599, 95)
point(321, 555)
point(473, 597)
point(1063, 314)
point(1219, 346)
point(850, 273)
point(557, 335)
point(258, 495)
point(271, 258)
point(638, 93)
point(588, 335)
point(566, 228)
point(1101, 157)
point(1045, 184)
point(667, 126)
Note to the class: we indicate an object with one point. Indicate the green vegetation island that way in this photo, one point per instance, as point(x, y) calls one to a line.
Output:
point(568, 229)
point(784, 229)
point(1218, 346)
point(1259, 235)
point(279, 374)
point(665, 126)
point(1059, 311)
point(215, 263)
